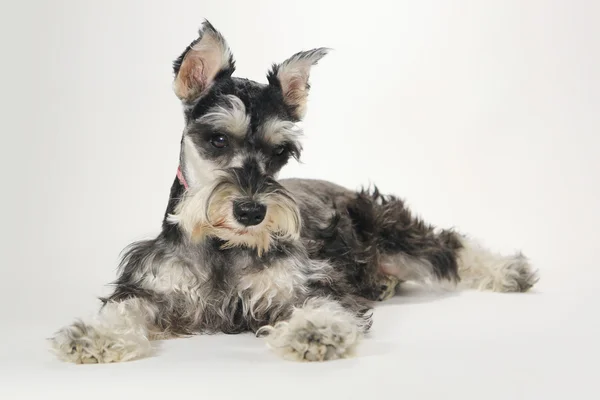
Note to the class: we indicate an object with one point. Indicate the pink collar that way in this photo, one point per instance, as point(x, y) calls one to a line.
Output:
point(181, 178)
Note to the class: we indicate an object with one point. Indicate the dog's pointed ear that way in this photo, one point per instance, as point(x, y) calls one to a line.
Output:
point(291, 77)
point(205, 60)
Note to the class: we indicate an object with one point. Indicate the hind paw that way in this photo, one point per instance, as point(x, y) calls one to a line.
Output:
point(387, 287)
point(516, 276)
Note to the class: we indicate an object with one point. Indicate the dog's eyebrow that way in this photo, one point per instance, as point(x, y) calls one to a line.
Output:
point(276, 131)
point(231, 118)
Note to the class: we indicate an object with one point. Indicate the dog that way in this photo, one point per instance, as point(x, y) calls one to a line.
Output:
point(298, 262)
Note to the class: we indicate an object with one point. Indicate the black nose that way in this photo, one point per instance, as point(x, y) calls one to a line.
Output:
point(249, 213)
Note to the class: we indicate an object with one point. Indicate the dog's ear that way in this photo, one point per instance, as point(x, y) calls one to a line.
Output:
point(205, 60)
point(291, 77)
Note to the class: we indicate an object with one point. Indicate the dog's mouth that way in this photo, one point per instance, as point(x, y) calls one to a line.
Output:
point(259, 237)
point(237, 229)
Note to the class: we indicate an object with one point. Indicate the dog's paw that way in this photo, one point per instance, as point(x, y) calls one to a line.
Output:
point(82, 343)
point(499, 274)
point(387, 287)
point(310, 342)
point(517, 275)
point(319, 331)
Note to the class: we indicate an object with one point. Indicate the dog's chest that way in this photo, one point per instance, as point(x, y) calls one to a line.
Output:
point(176, 279)
point(223, 287)
point(272, 285)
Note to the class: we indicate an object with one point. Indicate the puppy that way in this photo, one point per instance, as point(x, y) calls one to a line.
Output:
point(299, 262)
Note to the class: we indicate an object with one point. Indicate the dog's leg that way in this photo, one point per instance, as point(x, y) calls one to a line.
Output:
point(321, 329)
point(468, 267)
point(120, 332)
point(482, 269)
point(412, 250)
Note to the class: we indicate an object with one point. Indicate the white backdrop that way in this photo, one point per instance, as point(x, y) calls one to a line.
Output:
point(484, 115)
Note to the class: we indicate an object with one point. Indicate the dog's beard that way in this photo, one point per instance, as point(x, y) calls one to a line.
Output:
point(208, 212)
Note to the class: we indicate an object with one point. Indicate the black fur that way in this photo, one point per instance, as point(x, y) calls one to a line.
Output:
point(205, 274)
point(353, 231)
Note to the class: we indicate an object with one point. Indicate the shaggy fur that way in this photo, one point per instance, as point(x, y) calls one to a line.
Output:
point(297, 261)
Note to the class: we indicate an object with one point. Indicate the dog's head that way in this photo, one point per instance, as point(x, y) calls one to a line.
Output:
point(238, 136)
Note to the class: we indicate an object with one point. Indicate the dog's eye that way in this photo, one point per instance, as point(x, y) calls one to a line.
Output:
point(219, 141)
point(279, 150)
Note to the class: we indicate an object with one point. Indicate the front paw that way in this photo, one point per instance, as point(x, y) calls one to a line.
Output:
point(81, 343)
point(316, 332)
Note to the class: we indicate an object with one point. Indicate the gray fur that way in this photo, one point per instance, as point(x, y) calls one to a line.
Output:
point(304, 277)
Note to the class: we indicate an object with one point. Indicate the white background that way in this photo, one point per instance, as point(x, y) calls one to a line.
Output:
point(484, 115)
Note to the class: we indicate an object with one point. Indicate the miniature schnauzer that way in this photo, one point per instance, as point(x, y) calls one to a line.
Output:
point(296, 261)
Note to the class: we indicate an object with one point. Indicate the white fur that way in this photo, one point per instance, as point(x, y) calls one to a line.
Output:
point(201, 214)
point(270, 287)
point(293, 75)
point(120, 332)
point(478, 268)
point(277, 284)
point(322, 329)
point(481, 269)
point(197, 171)
point(276, 131)
point(193, 210)
point(232, 119)
point(238, 161)
point(201, 64)
point(175, 277)
point(407, 268)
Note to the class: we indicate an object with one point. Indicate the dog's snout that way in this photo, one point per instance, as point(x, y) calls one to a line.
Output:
point(249, 213)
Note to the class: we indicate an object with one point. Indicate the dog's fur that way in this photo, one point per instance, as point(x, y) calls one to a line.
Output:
point(305, 277)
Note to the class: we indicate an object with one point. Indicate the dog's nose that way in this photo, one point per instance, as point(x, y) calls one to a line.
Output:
point(249, 213)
